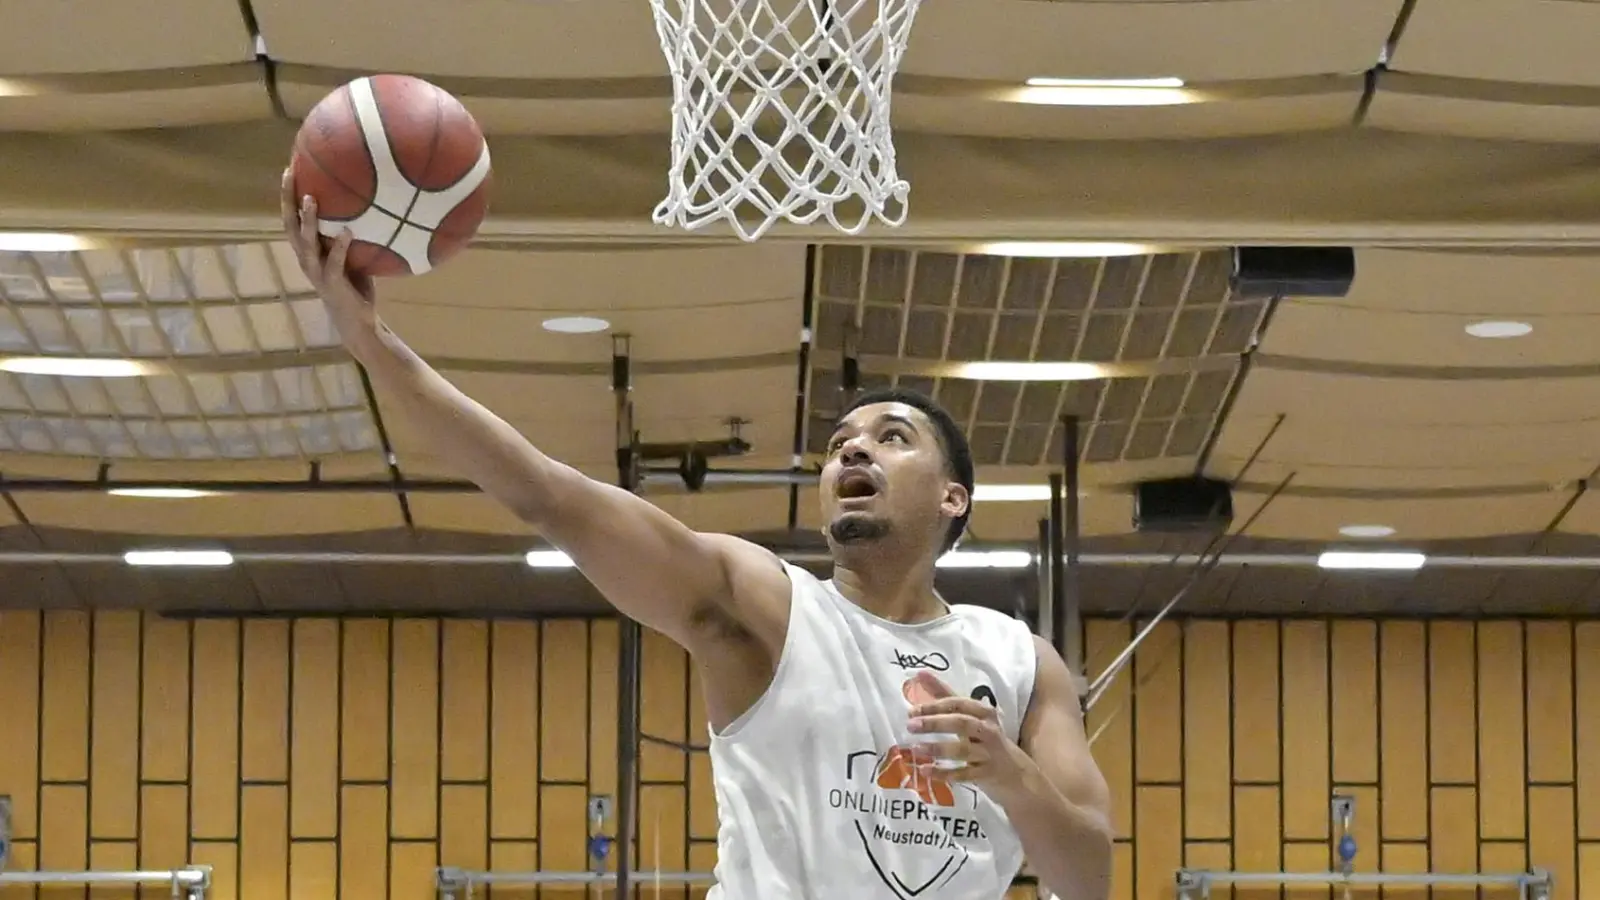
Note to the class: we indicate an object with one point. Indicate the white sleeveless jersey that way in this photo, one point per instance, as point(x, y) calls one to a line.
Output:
point(815, 799)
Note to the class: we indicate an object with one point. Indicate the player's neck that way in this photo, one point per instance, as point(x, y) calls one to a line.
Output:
point(902, 593)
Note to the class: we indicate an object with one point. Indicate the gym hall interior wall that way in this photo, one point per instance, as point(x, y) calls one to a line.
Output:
point(343, 759)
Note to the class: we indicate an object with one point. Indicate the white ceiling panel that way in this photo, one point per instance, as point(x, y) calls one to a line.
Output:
point(471, 38)
point(571, 283)
point(1484, 120)
point(1490, 281)
point(1202, 41)
point(1362, 400)
point(1555, 450)
point(1212, 119)
point(506, 116)
point(117, 111)
point(48, 37)
point(1321, 518)
point(241, 515)
point(1531, 41)
point(1331, 331)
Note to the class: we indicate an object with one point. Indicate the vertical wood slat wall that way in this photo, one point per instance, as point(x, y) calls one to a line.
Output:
point(328, 759)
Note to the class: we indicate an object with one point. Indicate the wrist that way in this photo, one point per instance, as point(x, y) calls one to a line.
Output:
point(367, 342)
point(1023, 785)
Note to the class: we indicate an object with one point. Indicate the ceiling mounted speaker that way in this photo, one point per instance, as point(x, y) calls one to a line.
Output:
point(1293, 271)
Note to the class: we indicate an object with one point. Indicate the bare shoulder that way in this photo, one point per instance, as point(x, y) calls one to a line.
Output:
point(737, 644)
point(757, 605)
point(1057, 693)
point(1052, 678)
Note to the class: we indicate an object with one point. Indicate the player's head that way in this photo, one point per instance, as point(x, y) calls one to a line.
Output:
point(896, 464)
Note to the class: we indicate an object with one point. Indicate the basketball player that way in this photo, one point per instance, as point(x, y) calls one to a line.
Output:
point(821, 695)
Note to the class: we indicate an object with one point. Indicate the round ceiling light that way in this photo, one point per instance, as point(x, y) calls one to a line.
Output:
point(576, 325)
point(1366, 531)
point(1499, 329)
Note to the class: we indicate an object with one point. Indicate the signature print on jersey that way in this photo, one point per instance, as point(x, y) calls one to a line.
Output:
point(936, 661)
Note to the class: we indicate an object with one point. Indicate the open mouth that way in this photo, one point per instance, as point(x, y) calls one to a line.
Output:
point(856, 486)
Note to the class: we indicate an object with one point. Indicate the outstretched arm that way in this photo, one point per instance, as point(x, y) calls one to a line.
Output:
point(650, 566)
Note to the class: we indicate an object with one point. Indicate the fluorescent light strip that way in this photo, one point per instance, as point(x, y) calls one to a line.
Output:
point(1106, 82)
point(1064, 249)
point(958, 559)
point(1374, 560)
point(1104, 92)
point(178, 558)
point(1030, 371)
point(1014, 493)
point(80, 367)
point(38, 241)
point(985, 559)
point(159, 493)
point(548, 559)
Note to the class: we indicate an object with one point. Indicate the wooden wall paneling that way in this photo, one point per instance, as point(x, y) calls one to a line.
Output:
point(328, 759)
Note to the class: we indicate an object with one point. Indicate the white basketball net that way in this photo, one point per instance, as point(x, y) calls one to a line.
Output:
point(781, 108)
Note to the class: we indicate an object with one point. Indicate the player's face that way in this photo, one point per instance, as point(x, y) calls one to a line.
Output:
point(885, 472)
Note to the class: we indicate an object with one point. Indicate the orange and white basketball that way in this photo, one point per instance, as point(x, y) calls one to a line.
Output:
point(402, 164)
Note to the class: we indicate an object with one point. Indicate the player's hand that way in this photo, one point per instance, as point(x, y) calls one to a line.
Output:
point(991, 759)
point(349, 298)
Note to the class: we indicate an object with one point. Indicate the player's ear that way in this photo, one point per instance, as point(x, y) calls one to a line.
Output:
point(956, 500)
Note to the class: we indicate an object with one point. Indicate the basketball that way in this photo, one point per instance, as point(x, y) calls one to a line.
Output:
point(402, 164)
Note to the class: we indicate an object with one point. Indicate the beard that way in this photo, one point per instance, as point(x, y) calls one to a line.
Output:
point(857, 528)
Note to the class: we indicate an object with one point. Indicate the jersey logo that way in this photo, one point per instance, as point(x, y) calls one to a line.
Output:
point(918, 831)
point(898, 771)
point(936, 661)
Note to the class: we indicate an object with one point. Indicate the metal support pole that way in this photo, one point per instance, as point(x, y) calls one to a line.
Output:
point(458, 881)
point(1194, 884)
point(850, 371)
point(1044, 624)
point(630, 638)
point(802, 391)
point(190, 879)
point(1069, 634)
point(5, 830)
point(1059, 614)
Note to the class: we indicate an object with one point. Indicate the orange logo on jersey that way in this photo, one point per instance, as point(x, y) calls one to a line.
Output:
point(904, 769)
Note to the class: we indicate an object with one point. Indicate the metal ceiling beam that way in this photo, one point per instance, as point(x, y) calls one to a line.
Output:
point(818, 556)
point(649, 475)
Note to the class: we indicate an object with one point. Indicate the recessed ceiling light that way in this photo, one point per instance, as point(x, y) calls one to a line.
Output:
point(1064, 249)
point(1379, 560)
point(178, 558)
point(78, 367)
point(159, 493)
point(1029, 371)
point(576, 325)
point(1366, 531)
point(1499, 329)
point(41, 241)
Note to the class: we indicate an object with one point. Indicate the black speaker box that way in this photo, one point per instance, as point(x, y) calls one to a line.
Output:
point(1181, 505)
point(1293, 271)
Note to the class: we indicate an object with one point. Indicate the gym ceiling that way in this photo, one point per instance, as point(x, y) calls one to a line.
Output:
point(1448, 140)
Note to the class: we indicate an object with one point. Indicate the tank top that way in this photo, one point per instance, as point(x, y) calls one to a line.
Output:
point(816, 799)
